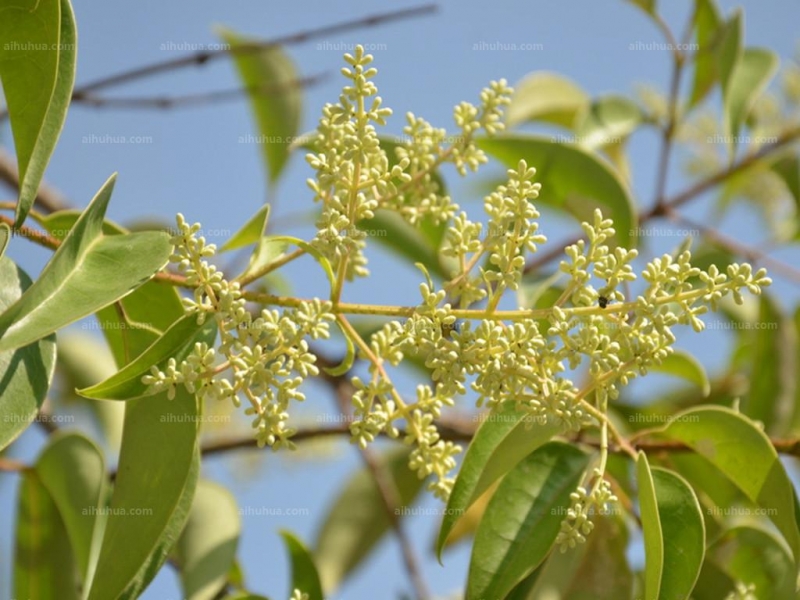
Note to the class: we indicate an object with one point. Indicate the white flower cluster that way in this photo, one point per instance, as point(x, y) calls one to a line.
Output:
point(263, 358)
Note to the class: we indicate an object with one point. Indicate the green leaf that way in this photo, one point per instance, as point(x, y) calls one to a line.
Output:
point(59, 224)
point(595, 570)
point(158, 470)
point(126, 384)
point(684, 365)
point(275, 98)
point(756, 556)
point(304, 572)
point(749, 79)
point(744, 454)
point(356, 521)
point(548, 97)
point(250, 232)
point(503, 440)
point(88, 272)
point(707, 21)
point(37, 68)
point(5, 236)
point(651, 529)
point(572, 179)
point(206, 550)
point(523, 519)
point(608, 120)
point(648, 6)
point(73, 471)
point(25, 373)
point(684, 535)
point(44, 566)
point(788, 169)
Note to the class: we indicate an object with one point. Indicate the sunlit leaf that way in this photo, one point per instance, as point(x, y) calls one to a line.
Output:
point(250, 231)
point(548, 97)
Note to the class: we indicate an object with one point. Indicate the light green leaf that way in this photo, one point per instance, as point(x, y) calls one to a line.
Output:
point(683, 528)
point(572, 179)
point(126, 384)
point(749, 79)
point(158, 469)
point(37, 68)
point(548, 97)
point(707, 21)
point(648, 6)
point(250, 232)
point(504, 438)
point(73, 471)
point(356, 521)
point(44, 566)
point(304, 572)
point(607, 121)
point(25, 373)
point(684, 365)
point(747, 553)
point(651, 529)
point(5, 236)
point(88, 272)
point(59, 224)
point(523, 519)
point(206, 550)
point(744, 454)
point(275, 98)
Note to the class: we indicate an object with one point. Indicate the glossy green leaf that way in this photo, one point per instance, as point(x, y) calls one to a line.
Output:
point(275, 98)
point(206, 549)
point(749, 79)
point(548, 97)
point(37, 83)
point(686, 366)
point(44, 565)
point(741, 451)
point(683, 530)
point(707, 21)
point(304, 572)
point(595, 570)
point(5, 236)
point(756, 556)
point(73, 471)
point(572, 179)
point(250, 232)
point(88, 272)
point(505, 437)
point(25, 373)
point(156, 479)
point(651, 529)
point(356, 521)
point(523, 519)
point(126, 384)
point(608, 120)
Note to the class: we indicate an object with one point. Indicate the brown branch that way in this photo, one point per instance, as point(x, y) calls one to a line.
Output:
point(47, 199)
point(201, 99)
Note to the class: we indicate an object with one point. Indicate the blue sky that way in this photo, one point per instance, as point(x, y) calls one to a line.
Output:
point(194, 164)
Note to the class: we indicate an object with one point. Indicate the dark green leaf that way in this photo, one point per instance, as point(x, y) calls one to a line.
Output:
point(707, 21)
point(523, 519)
point(651, 529)
point(304, 572)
